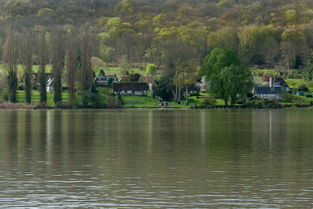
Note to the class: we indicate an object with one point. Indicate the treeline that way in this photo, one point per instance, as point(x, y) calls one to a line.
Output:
point(67, 49)
point(269, 33)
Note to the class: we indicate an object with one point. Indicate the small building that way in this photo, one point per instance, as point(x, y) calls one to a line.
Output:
point(104, 80)
point(140, 89)
point(202, 84)
point(300, 93)
point(267, 92)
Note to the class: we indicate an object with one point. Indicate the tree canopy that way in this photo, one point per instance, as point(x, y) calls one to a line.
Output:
point(228, 77)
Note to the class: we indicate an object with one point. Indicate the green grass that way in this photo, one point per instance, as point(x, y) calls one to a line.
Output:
point(140, 101)
point(36, 97)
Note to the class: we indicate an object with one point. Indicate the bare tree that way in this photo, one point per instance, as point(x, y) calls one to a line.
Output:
point(10, 60)
point(71, 64)
point(86, 78)
point(57, 63)
point(27, 52)
point(42, 59)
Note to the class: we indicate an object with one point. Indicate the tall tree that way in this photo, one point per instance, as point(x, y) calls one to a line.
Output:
point(86, 77)
point(227, 77)
point(57, 63)
point(10, 55)
point(27, 52)
point(42, 59)
point(71, 64)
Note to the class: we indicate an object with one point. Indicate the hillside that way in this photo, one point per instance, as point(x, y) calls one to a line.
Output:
point(266, 33)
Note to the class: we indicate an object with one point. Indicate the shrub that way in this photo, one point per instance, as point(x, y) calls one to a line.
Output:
point(151, 69)
point(5, 95)
point(86, 99)
point(303, 87)
point(208, 101)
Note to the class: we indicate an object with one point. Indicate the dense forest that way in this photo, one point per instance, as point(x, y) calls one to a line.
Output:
point(267, 33)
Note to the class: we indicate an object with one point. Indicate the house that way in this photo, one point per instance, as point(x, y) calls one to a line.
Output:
point(202, 84)
point(279, 82)
point(267, 92)
point(104, 80)
point(140, 89)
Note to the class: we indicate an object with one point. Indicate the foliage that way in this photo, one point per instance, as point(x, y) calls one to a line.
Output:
point(87, 99)
point(151, 69)
point(208, 101)
point(226, 75)
point(308, 72)
point(130, 78)
point(163, 88)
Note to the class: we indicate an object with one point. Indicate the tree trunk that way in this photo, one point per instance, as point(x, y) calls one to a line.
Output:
point(232, 101)
point(226, 101)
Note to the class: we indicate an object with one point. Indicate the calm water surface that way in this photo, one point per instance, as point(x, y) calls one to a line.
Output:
point(156, 159)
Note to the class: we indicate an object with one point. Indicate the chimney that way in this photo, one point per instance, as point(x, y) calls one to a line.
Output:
point(271, 82)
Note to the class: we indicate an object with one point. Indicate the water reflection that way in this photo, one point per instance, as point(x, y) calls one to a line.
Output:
point(160, 159)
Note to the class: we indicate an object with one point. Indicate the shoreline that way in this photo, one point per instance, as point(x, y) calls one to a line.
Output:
point(23, 106)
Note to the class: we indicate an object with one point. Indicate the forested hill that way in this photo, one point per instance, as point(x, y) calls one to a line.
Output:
point(264, 32)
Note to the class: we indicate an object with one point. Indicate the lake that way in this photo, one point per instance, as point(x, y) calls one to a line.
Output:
point(156, 158)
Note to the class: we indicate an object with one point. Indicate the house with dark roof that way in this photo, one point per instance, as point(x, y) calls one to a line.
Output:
point(140, 89)
point(268, 92)
point(104, 80)
point(279, 82)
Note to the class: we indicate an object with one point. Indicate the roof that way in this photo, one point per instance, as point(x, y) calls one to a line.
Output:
point(281, 82)
point(130, 87)
point(267, 90)
point(105, 77)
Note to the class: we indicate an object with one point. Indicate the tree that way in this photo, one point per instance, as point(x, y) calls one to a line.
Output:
point(151, 69)
point(71, 64)
point(10, 60)
point(132, 77)
point(57, 63)
point(42, 60)
point(294, 48)
point(163, 88)
point(26, 48)
point(86, 77)
point(226, 74)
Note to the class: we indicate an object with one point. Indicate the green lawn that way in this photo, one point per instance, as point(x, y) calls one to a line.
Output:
point(36, 97)
point(140, 101)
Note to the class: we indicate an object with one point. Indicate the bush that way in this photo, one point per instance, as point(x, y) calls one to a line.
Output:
point(266, 103)
point(208, 101)
point(294, 99)
point(151, 69)
point(86, 99)
point(5, 95)
point(303, 88)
